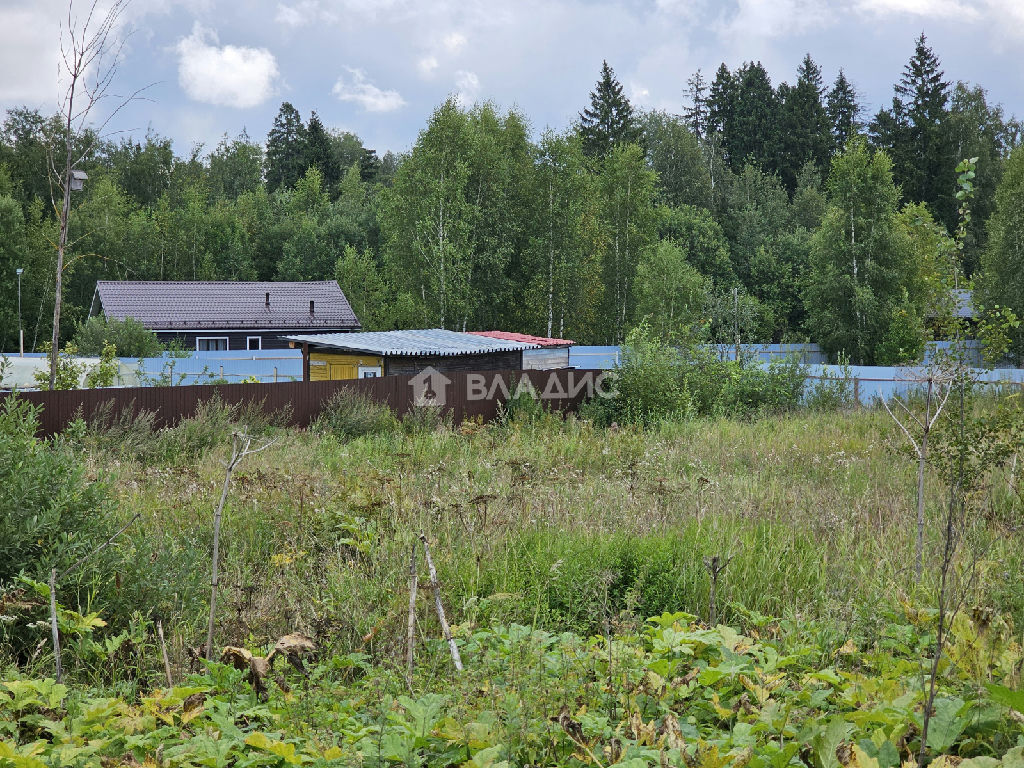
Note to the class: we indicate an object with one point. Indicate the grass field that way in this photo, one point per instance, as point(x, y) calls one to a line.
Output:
point(546, 533)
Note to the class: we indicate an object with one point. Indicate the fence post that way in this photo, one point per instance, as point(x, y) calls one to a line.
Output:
point(222, 371)
point(275, 374)
point(856, 390)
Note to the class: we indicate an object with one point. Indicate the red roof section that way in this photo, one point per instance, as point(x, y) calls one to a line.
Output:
point(524, 337)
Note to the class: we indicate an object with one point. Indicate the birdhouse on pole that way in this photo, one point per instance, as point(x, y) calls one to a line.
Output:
point(78, 179)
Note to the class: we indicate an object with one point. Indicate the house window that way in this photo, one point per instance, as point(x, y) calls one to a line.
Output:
point(368, 372)
point(212, 344)
point(253, 342)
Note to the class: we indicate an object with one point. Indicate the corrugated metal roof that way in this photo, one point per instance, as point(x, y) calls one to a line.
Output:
point(227, 305)
point(433, 341)
point(543, 341)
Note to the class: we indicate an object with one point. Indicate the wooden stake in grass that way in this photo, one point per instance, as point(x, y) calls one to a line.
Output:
point(241, 446)
point(440, 608)
point(163, 652)
point(715, 566)
point(54, 630)
point(410, 637)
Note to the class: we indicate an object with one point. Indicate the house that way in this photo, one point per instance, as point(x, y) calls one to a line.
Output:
point(552, 353)
point(221, 316)
point(333, 356)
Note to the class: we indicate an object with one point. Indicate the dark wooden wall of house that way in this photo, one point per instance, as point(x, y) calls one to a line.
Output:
point(493, 361)
point(237, 339)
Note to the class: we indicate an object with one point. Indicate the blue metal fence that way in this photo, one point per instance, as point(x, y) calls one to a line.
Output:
point(265, 366)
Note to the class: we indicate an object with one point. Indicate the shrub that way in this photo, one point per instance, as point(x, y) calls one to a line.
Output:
point(755, 390)
point(649, 383)
point(426, 418)
point(129, 337)
point(52, 514)
point(350, 414)
point(69, 371)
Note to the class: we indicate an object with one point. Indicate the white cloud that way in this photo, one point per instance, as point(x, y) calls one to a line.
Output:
point(366, 94)
point(229, 75)
point(427, 65)
point(760, 19)
point(303, 13)
point(467, 86)
point(28, 55)
point(454, 42)
point(931, 9)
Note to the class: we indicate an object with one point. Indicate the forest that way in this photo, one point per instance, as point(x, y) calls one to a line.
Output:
point(773, 212)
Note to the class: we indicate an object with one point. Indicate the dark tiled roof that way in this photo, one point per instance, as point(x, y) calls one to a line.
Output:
point(228, 305)
point(426, 341)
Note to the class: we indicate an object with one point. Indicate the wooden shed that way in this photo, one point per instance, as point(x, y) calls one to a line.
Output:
point(551, 353)
point(330, 356)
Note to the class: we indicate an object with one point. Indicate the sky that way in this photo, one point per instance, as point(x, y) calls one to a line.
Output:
point(379, 67)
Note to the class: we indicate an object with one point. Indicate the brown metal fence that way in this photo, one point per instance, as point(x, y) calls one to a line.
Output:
point(465, 395)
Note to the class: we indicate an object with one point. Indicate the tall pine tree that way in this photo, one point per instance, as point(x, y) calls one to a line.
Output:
point(609, 121)
point(286, 149)
point(914, 132)
point(696, 115)
point(843, 112)
point(752, 134)
point(805, 135)
point(319, 153)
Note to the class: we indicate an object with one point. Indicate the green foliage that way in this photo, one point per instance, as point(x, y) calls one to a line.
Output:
point(104, 373)
point(129, 337)
point(69, 370)
point(648, 383)
point(1002, 263)
point(676, 692)
point(862, 267)
point(52, 512)
point(671, 294)
point(608, 123)
point(349, 414)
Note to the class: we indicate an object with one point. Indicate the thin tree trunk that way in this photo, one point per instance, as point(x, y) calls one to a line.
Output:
point(456, 658)
point(163, 652)
point(922, 459)
point(214, 578)
point(62, 242)
point(54, 629)
point(410, 636)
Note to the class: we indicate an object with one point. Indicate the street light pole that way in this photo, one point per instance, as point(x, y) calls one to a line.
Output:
point(21, 332)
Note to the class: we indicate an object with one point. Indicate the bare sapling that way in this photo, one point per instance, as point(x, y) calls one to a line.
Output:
point(89, 54)
point(54, 628)
point(920, 446)
point(436, 586)
point(241, 446)
point(715, 567)
point(163, 652)
point(410, 637)
point(949, 604)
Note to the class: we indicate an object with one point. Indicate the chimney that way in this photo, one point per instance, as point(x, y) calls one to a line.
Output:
point(311, 306)
point(268, 300)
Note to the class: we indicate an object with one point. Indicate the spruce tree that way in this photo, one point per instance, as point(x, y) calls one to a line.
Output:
point(696, 115)
point(608, 121)
point(286, 149)
point(843, 111)
point(914, 132)
point(319, 152)
point(805, 135)
point(752, 134)
point(721, 104)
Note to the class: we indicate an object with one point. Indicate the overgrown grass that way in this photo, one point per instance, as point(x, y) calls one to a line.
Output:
point(552, 524)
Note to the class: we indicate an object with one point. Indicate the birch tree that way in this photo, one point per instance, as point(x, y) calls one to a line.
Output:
point(427, 222)
point(89, 50)
point(627, 192)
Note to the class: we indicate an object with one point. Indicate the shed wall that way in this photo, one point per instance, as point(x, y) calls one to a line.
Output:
point(545, 358)
point(491, 361)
